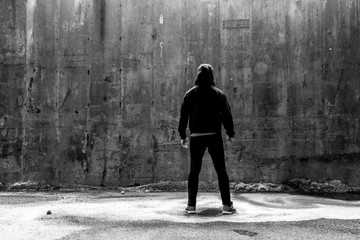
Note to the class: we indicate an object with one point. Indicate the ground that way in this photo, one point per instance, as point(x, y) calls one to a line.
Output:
point(160, 215)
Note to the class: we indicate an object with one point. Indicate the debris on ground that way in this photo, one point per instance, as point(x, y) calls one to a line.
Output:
point(30, 185)
point(305, 186)
point(311, 187)
point(48, 212)
point(164, 186)
point(176, 186)
point(167, 186)
point(258, 187)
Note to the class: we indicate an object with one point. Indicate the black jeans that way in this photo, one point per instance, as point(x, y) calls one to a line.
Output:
point(215, 147)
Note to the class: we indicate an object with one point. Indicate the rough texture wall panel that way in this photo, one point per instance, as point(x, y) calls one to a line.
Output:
point(91, 89)
point(12, 66)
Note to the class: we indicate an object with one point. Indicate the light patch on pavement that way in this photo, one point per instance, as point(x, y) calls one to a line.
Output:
point(31, 217)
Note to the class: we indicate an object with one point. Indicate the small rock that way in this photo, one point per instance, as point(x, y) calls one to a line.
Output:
point(122, 192)
point(147, 190)
point(240, 186)
point(336, 183)
point(48, 212)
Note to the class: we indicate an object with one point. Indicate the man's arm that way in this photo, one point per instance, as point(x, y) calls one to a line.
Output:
point(184, 118)
point(226, 117)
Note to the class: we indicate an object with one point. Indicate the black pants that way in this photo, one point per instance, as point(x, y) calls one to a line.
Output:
point(215, 147)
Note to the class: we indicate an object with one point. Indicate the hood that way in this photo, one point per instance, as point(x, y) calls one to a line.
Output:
point(205, 76)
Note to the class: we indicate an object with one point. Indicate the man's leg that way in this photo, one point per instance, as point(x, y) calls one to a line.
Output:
point(216, 151)
point(197, 149)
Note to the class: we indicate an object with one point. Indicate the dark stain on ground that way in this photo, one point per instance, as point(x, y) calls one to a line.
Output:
point(210, 212)
point(245, 232)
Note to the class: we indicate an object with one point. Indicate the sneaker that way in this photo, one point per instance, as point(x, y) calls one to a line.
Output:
point(190, 210)
point(228, 209)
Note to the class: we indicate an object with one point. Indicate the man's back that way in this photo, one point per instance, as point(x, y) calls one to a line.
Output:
point(206, 108)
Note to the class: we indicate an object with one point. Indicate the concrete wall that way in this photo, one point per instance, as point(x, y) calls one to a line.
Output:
point(91, 89)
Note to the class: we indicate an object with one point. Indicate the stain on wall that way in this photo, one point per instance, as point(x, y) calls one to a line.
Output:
point(91, 90)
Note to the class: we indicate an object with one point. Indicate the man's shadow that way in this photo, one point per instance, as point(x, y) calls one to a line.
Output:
point(207, 212)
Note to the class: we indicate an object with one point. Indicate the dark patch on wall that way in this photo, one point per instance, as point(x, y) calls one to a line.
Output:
point(68, 93)
point(9, 148)
point(104, 173)
point(236, 24)
point(14, 17)
point(108, 79)
point(99, 128)
point(100, 13)
point(30, 85)
point(17, 147)
point(126, 168)
point(155, 148)
point(76, 150)
point(129, 168)
point(330, 158)
point(5, 150)
point(131, 63)
point(89, 141)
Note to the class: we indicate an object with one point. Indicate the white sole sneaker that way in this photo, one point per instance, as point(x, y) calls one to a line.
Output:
point(228, 213)
point(190, 212)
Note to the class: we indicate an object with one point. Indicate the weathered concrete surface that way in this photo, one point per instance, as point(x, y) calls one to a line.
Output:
point(109, 215)
point(12, 87)
point(91, 90)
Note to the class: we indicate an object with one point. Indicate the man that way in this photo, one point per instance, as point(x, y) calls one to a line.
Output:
point(206, 109)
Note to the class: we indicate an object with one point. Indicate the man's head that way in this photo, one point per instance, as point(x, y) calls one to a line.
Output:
point(205, 76)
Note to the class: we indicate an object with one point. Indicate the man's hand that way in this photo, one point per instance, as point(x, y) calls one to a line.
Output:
point(183, 143)
point(229, 139)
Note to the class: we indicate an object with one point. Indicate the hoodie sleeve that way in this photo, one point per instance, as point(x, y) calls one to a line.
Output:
point(226, 117)
point(184, 118)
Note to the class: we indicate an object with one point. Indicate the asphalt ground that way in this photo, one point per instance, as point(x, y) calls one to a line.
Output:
point(160, 215)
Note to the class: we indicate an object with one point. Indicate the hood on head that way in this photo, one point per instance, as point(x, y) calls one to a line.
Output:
point(205, 76)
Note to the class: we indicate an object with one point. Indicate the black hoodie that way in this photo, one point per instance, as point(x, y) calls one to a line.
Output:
point(205, 107)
